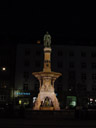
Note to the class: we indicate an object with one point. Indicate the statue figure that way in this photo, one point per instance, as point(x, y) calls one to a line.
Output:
point(47, 40)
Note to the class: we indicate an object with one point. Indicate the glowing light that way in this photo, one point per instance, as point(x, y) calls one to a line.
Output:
point(71, 100)
point(5, 86)
point(34, 99)
point(23, 93)
point(20, 102)
point(3, 69)
point(38, 41)
point(91, 99)
point(73, 103)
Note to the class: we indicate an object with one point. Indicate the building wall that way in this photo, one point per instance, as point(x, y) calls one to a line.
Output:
point(7, 72)
point(29, 59)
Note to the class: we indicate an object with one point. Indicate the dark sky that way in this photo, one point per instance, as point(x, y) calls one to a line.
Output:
point(64, 23)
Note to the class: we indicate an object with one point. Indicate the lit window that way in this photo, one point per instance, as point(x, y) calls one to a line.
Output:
point(3, 69)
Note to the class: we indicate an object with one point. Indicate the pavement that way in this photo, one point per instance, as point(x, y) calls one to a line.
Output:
point(47, 123)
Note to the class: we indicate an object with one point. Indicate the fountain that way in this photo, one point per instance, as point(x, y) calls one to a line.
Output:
point(47, 99)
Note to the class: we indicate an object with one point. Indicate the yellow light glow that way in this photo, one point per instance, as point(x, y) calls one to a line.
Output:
point(3, 68)
point(38, 41)
point(20, 101)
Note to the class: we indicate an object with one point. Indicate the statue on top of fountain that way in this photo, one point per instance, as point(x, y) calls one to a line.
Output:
point(47, 40)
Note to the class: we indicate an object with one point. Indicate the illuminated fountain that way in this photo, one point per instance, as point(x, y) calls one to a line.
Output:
point(47, 99)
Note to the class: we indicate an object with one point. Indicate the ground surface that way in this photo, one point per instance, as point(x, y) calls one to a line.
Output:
point(47, 123)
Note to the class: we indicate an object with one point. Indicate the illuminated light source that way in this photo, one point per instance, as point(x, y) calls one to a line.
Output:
point(34, 99)
point(3, 69)
point(23, 93)
point(20, 102)
point(71, 100)
point(38, 41)
point(5, 86)
point(91, 99)
point(73, 103)
point(95, 100)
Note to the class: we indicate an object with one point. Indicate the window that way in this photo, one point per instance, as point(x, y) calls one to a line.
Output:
point(36, 87)
point(72, 75)
point(26, 63)
point(83, 76)
point(4, 84)
point(83, 65)
point(26, 75)
point(60, 64)
point(71, 64)
point(93, 65)
point(27, 52)
point(93, 54)
point(38, 53)
point(37, 64)
point(60, 53)
point(71, 53)
point(83, 54)
point(2, 98)
point(94, 87)
point(81, 87)
point(25, 87)
point(94, 76)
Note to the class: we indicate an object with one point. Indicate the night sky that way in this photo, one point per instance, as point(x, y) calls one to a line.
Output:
point(64, 23)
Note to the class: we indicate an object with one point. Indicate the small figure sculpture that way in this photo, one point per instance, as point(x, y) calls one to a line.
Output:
point(47, 40)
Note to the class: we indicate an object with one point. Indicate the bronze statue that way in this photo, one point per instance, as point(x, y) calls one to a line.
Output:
point(47, 40)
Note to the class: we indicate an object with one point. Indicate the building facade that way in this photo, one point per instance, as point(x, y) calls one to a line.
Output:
point(7, 74)
point(76, 63)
